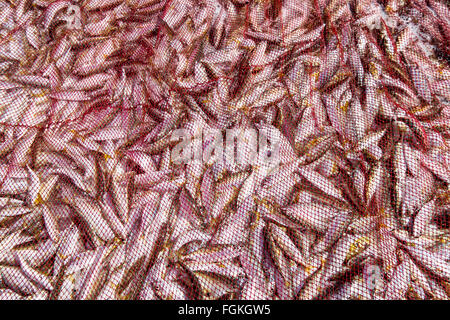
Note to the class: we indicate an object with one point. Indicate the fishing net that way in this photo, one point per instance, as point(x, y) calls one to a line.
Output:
point(232, 149)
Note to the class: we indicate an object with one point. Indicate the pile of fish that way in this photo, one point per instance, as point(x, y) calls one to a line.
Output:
point(92, 205)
